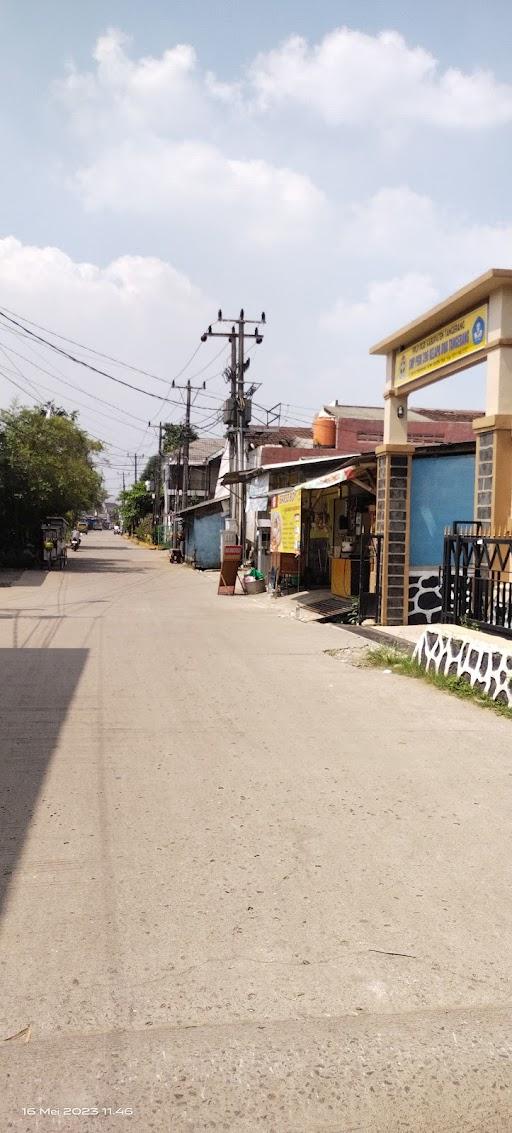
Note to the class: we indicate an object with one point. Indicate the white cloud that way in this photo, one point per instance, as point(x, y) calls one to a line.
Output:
point(157, 94)
point(388, 304)
point(148, 126)
point(137, 308)
point(262, 208)
point(408, 229)
point(195, 181)
point(351, 78)
point(48, 277)
point(431, 252)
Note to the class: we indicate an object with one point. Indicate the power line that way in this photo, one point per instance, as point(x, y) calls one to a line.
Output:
point(72, 400)
point(59, 378)
point(13, 383)
point(97, 353)
point(88, 365)
point(39, 402)
point(197, 374)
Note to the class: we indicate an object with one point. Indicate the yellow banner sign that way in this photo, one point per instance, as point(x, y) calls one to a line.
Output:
point(285, 522)
point(455, 340)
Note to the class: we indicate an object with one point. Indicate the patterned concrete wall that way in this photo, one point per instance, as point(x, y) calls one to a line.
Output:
point(424, 597)
point(484, 668)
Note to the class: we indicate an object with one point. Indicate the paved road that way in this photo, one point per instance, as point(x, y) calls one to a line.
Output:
point(245, 884)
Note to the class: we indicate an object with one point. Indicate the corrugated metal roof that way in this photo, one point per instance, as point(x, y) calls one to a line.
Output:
point(376, 413)
point(366, 412)
point(284, 431)
point(329, 479)
point(201, 450)
point(250, 473)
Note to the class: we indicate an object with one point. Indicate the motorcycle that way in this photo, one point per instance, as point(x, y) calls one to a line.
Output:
point(75, 543)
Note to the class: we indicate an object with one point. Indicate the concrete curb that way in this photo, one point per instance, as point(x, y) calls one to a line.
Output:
point(380, 638)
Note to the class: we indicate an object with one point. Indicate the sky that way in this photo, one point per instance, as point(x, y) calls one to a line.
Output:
point(341, 166)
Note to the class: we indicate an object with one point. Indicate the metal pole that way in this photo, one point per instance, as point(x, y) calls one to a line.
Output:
point(186, 444)
point(236, 431)
point(241, 430)
point(233, 462)
point(158, 475)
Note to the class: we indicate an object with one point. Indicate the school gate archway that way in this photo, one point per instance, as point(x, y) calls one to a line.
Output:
point(472, 326)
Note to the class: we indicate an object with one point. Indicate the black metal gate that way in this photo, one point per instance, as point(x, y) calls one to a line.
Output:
point(370, 572)
point(477, 579)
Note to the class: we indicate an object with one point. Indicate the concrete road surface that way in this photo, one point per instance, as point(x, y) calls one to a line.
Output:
point(245, 884)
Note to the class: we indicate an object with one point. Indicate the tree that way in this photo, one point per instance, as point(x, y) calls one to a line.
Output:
point(46, 468)
point(50, 409)
point(152, 469)
point(175, 435)
point(135, 504)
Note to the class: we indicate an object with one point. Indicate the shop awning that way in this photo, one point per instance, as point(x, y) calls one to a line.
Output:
point(330, 479)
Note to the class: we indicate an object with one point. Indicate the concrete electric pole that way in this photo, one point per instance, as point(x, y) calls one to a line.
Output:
point(186, 447)
point(134, 456)
point(237, 409)
point(189, 389)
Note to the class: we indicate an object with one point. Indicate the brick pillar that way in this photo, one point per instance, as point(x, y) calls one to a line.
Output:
point(493, 472)
point(392, 521)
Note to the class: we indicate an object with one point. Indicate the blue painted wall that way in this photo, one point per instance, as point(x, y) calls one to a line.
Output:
point(442, 491)
point(203, 537)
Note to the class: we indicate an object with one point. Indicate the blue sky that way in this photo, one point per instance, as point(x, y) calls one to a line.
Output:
point(340, 165)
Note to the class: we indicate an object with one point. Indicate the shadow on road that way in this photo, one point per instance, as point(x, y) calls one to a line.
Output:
point(102, 565)
point(22, 577)
point(36, 690)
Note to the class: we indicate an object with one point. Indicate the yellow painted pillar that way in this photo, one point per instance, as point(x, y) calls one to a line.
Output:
point(493, 472)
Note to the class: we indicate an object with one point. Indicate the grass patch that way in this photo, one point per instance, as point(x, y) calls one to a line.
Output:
point(385, 657)
point(146, 543)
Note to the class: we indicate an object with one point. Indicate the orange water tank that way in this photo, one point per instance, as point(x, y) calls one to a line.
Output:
point(324, 431)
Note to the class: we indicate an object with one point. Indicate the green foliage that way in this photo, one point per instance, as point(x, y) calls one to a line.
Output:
point(151, 471)
point(174, 436)
point(50, 409)
point(46, 468)
point(144, 529)
point(350, 617)
point(385, 657)
point(135, 504)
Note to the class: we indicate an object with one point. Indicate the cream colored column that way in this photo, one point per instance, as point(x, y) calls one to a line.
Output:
point(499, 362)
point(493, 474)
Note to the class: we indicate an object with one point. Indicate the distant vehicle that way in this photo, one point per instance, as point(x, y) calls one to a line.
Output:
point(82, 527)
point(117, 529)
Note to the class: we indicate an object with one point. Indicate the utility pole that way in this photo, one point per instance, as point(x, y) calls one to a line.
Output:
point(124, 488)
point(134, 456)
point(189, 389)
point(157, 482)
point(237, 410)
point(242, 422)
point(186, 448)
point(234, 497)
